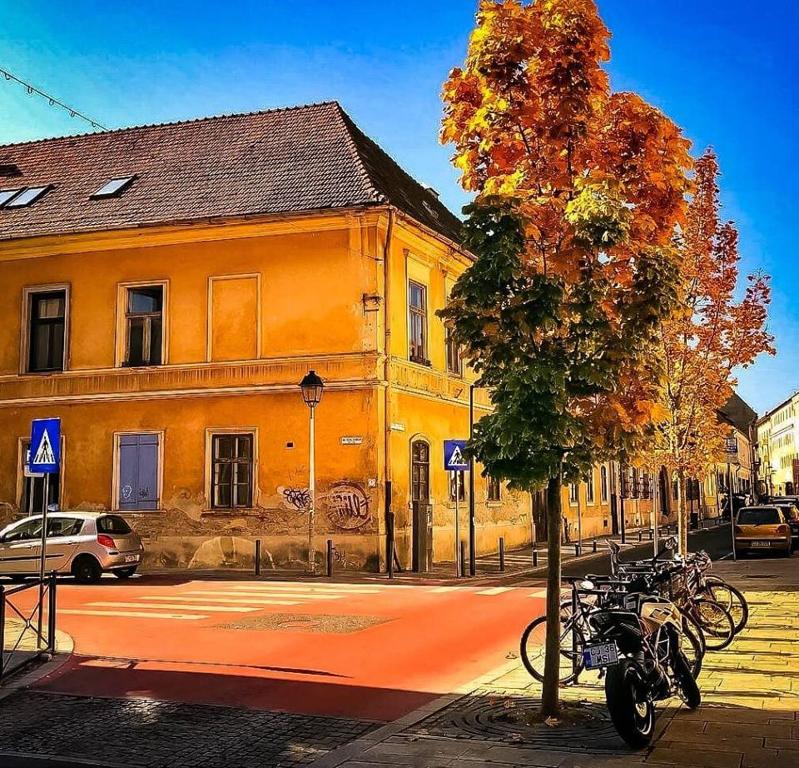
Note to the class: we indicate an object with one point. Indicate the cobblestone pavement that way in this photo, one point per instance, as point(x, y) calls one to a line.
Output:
point(139, 732)
point(749, 717)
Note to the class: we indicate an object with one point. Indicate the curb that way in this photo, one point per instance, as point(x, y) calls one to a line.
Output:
point(64, 648)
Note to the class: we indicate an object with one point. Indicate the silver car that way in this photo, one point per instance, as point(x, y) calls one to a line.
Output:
point(84, 544)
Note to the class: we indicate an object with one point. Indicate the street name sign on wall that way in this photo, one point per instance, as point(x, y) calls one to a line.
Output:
point(454, 457)
point(731, 446)
point(45, 451)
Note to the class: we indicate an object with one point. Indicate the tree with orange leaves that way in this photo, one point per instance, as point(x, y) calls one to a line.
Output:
point(706, 340)
point(578, 193)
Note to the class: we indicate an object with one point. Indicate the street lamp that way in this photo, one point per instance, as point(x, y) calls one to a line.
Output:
point(311, 387)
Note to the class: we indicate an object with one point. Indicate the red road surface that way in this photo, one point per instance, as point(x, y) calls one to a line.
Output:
point(165, 639)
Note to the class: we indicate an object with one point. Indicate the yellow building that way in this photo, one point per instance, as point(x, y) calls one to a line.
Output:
point(165, 288)
point(778, 448)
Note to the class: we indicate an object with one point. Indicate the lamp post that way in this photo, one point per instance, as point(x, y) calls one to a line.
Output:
point(311, 387)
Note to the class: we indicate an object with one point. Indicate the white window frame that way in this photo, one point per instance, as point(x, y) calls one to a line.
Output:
point(209, 468)
point(121, 340)
point(24, 351)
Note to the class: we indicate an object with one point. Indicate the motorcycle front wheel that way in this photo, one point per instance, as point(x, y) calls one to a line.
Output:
point(688, 690)
point(631, 709)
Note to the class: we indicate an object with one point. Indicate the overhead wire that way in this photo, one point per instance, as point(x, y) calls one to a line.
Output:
point(51, 100)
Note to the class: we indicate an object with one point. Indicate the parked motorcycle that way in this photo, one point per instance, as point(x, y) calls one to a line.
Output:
point(637, 641)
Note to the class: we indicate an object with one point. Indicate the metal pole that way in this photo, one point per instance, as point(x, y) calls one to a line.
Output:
point(312, 496)
point(655, 514)
point(51, 614)
point(457, 524)
point(43, 558)
point(463, 558)
point(2, 627)
point(729, 504)
point(472, 543)
point(257, 557)
point(329, 557)
point(502, 554)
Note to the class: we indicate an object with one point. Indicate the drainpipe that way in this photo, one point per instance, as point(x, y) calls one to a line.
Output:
point(389, 514)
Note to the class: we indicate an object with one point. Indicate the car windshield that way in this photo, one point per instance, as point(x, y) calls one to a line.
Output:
point(112, 524)
point(759, 516)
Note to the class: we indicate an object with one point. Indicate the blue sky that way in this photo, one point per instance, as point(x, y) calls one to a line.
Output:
point(726, 71)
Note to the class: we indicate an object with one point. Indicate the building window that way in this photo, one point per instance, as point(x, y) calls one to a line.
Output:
point(417, 321)
point(454, 355)
point(46, 331)
point(573, 493)
point(635, 486)
point(675, 492)
point(144, 325)
point(461, 489)
point(590, 487)
point(138, 472)
point(603, 484)
point(32, 501)
point(494, 489)
point(232, 471)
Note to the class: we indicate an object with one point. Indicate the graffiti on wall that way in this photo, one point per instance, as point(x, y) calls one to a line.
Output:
point(348, 506)
point(297, 498)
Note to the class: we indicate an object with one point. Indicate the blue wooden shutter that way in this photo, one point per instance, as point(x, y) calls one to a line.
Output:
point(138, 472)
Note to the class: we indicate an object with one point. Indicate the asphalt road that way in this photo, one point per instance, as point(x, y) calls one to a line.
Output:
point(715, 541)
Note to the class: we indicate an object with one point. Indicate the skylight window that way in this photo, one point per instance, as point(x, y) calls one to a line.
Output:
point(6, 195)
point(114, 187)
point(26, 197)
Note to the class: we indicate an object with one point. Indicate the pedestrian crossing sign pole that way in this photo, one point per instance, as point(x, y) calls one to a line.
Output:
point(456, 462)
point(44, 459)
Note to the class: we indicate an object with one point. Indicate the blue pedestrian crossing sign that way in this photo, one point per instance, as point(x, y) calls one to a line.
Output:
point(45, 452)
point(454, 457)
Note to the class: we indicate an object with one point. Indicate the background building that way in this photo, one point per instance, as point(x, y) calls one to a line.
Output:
point(778, 448)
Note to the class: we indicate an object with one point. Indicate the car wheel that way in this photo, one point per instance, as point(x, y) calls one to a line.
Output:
point(86, 570)
point(125, 573)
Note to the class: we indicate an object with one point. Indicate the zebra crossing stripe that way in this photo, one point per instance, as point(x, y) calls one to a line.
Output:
point(132, 614)
point(235, 600)
point(176, 606)
point(289, 588)
point(293, 595)
point(494, 591)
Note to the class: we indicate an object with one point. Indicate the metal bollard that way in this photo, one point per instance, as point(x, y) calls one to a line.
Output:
point(257, 557)
point(535, 558)
point(502, 554)
point(593, 546)
point(577, 550)
point(391, 559)
point(640, 537)
point(463, 558)
point(330, 549)
point(651, 534)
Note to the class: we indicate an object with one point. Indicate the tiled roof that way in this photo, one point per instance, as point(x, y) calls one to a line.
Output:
point(277, 161)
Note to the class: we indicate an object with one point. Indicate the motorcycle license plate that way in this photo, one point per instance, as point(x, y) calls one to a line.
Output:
point(600, 655)
point(761, 543)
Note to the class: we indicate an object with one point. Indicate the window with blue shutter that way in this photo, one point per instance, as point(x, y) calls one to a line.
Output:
point(138, 472)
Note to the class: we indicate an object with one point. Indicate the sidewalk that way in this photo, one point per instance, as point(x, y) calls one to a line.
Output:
point(525, 561)
point(749, 717)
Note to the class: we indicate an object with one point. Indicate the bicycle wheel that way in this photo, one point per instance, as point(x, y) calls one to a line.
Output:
point(716, 622)
point(533, 653)
point(693, 645)
point(730, 598)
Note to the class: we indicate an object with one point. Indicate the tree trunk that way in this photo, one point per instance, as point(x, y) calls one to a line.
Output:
point(682, 515)
point(550, 698)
